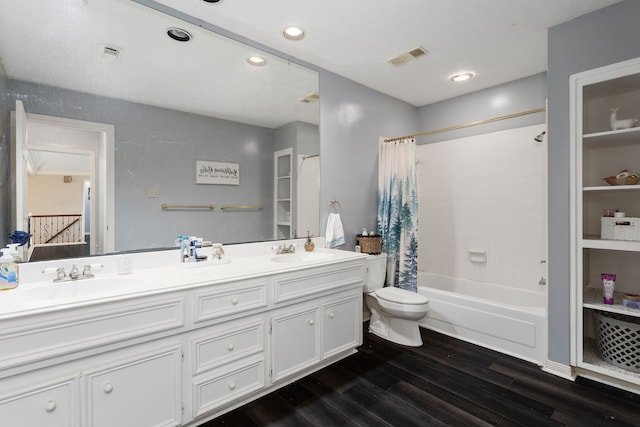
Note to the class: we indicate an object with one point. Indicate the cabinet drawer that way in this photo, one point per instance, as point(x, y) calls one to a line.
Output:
point(226, 344)
point(143, 390)
point(227, 384)
point(48, 335)
point(51, 405)
point(220, 301)
point(300, 284)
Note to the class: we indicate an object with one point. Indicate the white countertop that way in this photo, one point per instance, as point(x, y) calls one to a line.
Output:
point(38, 293)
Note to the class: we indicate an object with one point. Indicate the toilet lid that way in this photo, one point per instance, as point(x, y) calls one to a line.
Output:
point(401, 296)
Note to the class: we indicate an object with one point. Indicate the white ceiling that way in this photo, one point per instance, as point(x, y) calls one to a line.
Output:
point(60, 42)
point(500, 40)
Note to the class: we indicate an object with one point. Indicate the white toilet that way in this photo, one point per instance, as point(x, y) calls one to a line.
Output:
point(394, 312)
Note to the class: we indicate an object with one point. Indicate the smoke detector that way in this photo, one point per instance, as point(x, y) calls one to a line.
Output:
point(312, 97)
point(410, 55)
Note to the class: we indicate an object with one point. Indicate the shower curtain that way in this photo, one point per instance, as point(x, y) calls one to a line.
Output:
point(398, 211)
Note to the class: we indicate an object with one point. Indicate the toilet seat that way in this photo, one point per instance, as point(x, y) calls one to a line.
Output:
point(401, 296)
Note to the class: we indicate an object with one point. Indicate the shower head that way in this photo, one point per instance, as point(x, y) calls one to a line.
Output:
point(539, 137)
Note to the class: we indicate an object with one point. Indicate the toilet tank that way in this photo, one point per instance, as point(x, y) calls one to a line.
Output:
point(376, 272)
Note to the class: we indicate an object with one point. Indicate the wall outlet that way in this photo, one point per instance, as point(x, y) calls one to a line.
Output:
point(153, 193)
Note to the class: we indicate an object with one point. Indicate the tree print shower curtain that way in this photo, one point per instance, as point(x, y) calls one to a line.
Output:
point(397, 221)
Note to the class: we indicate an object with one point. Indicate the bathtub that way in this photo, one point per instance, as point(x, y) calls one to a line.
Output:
point(501, 318)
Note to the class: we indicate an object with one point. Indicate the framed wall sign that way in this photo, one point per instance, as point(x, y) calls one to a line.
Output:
point(217, 172)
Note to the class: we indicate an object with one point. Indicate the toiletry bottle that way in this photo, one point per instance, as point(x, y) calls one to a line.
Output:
point(309, 245)
point(8, 271)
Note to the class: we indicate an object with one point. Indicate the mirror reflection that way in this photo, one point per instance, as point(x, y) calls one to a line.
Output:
point(102, 81)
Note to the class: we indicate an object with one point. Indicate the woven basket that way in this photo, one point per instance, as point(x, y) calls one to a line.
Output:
point(629, 180)
point(369, 244)
point(618, 340)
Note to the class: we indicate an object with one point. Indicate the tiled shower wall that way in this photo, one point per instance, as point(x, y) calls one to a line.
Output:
point(485, 194)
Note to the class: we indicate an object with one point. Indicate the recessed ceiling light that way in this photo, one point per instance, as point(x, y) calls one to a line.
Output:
point(212, 1)
point(257, 61)
point(293, 33)
point(461, 77)
point(178, 34)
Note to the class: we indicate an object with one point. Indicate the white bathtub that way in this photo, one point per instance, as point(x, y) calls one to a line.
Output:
point(501, 318)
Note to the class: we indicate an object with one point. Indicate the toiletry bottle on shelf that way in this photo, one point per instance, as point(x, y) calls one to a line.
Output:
point(8, 271)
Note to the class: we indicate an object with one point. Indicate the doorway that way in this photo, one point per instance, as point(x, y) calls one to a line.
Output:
point(71, 143)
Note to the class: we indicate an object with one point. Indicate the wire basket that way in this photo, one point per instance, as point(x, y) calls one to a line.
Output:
point(618, 340)
point(369, 244)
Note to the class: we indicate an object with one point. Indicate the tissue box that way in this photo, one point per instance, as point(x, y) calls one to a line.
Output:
point(627, 228)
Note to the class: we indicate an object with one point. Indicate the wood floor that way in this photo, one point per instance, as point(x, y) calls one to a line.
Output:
point(445, 382)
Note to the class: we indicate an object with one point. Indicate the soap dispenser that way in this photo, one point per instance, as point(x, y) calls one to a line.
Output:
point(8, 271)
point(309, 245)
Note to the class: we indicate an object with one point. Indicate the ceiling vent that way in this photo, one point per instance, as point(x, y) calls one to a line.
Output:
point(408, 56)
point(312, 97)
point(110, 53)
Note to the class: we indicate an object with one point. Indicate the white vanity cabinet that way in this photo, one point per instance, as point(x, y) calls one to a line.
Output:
point(341, 324)
point(31, 400)
point(177, 357)
point(135, 388)
point(227, 363)
point(296, 341)
point(315, 329)
point(599, 151)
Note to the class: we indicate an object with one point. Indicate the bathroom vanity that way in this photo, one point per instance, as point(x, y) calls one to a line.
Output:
point(176, 345)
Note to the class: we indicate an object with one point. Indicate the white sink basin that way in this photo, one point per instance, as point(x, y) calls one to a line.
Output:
point(85, 288)
point(302, 257)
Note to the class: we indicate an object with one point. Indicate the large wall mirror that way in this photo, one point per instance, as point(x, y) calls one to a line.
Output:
point(128, 134)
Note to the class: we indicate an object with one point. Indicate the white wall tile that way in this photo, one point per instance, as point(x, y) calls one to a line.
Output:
point(485, 192)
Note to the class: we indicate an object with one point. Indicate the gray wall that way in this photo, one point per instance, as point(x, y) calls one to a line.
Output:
point(520, 95)
point(157, 148)
point(352, 118)
point(5, 165)
point(604, 37)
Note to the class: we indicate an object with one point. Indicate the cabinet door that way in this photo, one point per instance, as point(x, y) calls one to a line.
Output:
point(50, 404)
point(341, 325)
point(295, 342)
point(141, 391)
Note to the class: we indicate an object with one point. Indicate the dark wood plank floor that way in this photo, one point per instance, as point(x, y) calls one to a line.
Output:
point(446, 382)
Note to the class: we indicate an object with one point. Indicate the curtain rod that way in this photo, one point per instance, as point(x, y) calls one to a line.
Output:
point(479, 122)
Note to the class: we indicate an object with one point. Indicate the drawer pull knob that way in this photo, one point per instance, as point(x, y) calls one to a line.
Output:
point(234, 301)
point(230, 347)
point(108, 388)
point(331, 315)
point(51, 406)
point(311, 321)
point(232, 385)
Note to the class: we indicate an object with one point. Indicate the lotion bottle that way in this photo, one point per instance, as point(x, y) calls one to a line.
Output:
point(8, 271)
point(309, 245)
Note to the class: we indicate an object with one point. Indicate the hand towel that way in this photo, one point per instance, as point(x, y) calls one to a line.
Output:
point(334, 236)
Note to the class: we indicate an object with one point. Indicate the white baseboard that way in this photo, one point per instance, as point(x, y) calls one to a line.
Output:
point(559, 370)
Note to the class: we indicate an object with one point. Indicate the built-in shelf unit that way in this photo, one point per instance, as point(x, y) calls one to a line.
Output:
point(598, 152)
point(282, 194)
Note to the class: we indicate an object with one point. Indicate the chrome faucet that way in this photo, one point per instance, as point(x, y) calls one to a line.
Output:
point(285, 249)
point(74, 273)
